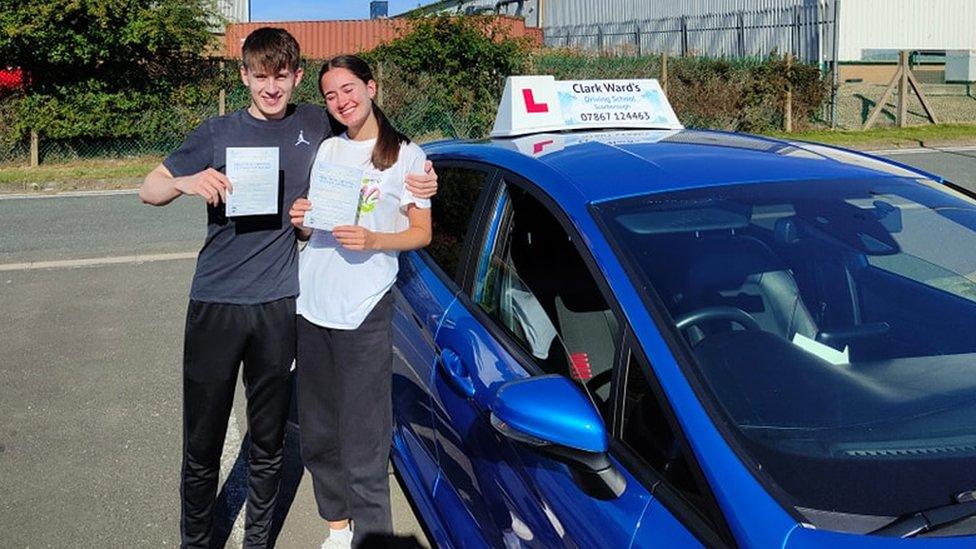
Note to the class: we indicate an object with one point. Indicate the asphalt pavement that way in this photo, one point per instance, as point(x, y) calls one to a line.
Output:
point(957, 165)
point(90, 399)
point(93, 292)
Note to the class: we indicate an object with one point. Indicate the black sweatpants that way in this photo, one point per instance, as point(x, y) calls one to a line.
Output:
point(218, 338)
point(345, 412)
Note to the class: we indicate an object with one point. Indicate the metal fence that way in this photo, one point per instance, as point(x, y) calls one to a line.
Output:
point(806, 32)
point(158, 131)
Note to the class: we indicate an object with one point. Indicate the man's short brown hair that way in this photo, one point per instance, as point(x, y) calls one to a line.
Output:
point(271, 49)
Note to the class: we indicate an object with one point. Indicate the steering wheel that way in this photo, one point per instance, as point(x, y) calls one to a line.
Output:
point(731, 314)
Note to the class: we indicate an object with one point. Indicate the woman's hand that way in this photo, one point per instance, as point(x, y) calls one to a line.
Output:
point(297, 213)
point(354, 237)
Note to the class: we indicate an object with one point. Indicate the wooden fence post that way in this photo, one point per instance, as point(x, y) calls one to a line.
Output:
point(35, 149)
point(222, 95)
point(902, 89)
point(902, 79)
point(379, 88)
point(664, 72)
point(788, 107)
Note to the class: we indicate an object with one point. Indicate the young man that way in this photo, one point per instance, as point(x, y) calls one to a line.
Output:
point(242, 300)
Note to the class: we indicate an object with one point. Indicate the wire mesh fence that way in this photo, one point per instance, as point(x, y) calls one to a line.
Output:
point(739, 94)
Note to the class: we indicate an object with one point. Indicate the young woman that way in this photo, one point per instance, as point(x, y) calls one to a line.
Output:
point(345, 310)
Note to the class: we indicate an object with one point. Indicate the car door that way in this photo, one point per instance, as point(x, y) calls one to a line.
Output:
point(425, 289)
point(529, 307)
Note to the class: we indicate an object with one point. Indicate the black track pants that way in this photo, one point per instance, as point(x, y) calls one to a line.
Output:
point(219, 337)
point(346, 418)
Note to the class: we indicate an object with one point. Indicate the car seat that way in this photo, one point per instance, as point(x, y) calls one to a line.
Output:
point(741, 271)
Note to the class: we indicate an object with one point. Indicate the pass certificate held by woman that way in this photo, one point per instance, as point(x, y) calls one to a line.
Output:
point(334, 191)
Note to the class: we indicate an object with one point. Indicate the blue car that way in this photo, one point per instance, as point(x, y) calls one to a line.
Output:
point(676, 338)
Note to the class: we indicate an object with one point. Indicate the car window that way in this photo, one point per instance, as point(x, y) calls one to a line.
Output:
point(828, 322)
point(532, 280)
point(950, 267)
point(646, 431)
point(452, 210)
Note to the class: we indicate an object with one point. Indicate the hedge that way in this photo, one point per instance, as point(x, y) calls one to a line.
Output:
point(443, 78)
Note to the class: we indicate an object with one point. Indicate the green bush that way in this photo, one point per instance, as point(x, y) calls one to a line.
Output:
point(740, 95)
point(442, 78)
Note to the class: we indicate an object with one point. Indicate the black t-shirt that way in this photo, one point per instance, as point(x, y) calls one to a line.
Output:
point(252, 259)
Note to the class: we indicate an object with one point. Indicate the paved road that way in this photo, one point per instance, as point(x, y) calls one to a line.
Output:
point(90, 393)
point(54, 228)
point(955, 164)
point(90, 362)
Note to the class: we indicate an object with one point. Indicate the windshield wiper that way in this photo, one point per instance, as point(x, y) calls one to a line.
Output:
point(918, 522)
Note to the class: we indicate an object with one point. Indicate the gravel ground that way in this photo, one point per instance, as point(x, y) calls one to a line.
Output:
point(951, 102)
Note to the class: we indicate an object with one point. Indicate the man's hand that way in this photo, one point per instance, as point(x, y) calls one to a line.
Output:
point(354, 237)
point(210, 184)
point(423, 185)
point(297, 213)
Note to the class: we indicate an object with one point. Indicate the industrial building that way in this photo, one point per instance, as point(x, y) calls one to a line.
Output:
point(866, 30)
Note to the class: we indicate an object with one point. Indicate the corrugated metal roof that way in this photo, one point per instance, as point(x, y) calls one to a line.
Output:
point(324, 39)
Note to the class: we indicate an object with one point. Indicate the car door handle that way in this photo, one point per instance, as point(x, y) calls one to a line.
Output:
point(456, 372)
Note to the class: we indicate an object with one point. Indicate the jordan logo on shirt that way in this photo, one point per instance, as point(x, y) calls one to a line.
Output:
point(301, 138)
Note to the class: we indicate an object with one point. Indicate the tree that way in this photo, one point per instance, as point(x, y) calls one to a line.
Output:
point(107, 69)
point(104, 44)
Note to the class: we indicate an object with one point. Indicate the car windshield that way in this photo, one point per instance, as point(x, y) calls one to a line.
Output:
point(833, 325)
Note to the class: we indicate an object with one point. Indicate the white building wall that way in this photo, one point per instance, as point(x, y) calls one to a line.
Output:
point(867, 25)
point(235, 11)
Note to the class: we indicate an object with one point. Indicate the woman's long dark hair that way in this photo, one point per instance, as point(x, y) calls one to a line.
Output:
point(387, 148)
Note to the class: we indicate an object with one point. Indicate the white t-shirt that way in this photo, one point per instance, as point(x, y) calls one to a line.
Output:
point(339, 287)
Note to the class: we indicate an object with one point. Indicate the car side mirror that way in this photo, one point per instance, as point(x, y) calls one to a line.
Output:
point(551, 414)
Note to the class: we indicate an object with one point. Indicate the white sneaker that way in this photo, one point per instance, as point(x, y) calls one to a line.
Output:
point(338, 539)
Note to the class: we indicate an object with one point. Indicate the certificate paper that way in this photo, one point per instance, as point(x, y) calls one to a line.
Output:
point(253, 173)
point(334, 192)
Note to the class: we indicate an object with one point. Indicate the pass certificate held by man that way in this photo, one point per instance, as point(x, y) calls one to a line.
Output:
point(334, 192)
point(253, 173)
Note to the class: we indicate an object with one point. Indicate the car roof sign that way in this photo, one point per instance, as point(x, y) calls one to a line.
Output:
point(533, 104)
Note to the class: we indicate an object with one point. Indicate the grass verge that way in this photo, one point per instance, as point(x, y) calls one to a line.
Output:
point(883, 138)
point(128, 172)
point(77, 175)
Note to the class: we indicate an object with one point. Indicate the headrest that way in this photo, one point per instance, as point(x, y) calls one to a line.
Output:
point(726, 262)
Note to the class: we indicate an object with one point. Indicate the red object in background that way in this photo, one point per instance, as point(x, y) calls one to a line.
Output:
point(11, 79)
point(580, 366)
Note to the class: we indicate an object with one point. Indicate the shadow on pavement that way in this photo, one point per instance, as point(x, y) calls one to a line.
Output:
point(233, 494)
point(230, 501)
point(389, 541)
